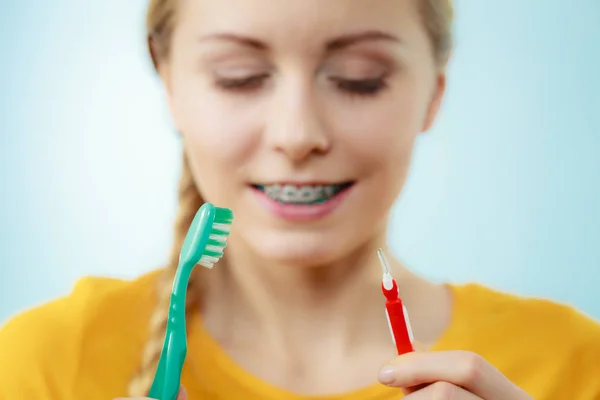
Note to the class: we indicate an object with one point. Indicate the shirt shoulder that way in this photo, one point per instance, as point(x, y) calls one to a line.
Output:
point(536, 342)
point(85, 339)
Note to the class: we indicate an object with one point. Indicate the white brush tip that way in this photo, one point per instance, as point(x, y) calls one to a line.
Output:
point(385, 266)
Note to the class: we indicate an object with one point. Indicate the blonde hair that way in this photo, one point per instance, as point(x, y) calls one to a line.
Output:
point(437, 18)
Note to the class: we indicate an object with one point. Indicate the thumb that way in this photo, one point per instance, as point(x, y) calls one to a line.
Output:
point(419, 347)
point(181, 396)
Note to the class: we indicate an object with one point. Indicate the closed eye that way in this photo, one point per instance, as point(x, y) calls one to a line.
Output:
point(364, 87)
point(242, 84)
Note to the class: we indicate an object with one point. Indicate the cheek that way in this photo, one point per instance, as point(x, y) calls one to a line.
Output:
point(211, 122)
point(382, 134)
point(219, 139)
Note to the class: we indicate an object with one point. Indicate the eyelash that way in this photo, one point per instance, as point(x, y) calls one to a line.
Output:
point(355, 87)
point(242, 84)
point(361, 87)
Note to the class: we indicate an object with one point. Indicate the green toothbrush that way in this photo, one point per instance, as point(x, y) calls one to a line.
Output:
point(203, 245)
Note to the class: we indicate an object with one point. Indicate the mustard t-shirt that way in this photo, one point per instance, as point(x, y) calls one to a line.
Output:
point(87, 346)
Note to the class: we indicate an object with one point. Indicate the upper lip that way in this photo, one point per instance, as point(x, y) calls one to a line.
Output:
point(304, 183)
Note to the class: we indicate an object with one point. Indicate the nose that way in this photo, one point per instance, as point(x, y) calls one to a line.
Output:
point(296, 127)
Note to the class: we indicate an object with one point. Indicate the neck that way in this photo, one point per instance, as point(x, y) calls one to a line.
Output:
point(339, 304)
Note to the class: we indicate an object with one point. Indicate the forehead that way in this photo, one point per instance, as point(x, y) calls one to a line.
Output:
point(300, 23)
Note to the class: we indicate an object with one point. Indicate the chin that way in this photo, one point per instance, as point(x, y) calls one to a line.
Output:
point(304, 249)
point(314, 240)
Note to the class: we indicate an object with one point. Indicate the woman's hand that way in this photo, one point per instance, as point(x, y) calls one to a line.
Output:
point(181, 396)
point(456, 375)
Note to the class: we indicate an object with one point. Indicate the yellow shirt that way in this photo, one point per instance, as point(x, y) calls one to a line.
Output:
point(86, 347)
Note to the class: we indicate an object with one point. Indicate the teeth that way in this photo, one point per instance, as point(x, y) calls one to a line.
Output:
point(272, 190)
point(301, 195)
point(288, 193)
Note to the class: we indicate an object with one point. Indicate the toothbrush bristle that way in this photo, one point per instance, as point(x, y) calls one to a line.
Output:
point(225, 228)
point(217, 237)
point(208, 262)
point(205, 263)
point(217, 240)
point(223, 216)
point(214, 249)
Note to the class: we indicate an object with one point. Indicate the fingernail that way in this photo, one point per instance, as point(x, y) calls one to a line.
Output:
point(386, 375)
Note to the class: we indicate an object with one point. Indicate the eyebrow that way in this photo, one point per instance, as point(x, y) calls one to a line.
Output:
point(335, 44)
point(356, 38)
point(233, 37)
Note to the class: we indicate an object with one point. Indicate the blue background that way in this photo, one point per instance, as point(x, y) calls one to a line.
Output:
point(505, 190)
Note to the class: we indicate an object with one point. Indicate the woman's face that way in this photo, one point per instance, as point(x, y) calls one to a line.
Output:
point(301, 115)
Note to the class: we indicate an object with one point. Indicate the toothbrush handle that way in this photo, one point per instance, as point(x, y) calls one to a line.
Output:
point(167, 380)
point(399, 326)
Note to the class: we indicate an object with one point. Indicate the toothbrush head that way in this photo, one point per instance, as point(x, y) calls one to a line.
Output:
point(207, 237)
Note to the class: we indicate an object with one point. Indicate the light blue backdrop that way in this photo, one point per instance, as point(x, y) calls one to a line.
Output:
point(505, 190)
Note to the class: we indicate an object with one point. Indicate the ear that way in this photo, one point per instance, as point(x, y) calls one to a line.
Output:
point(436, 101)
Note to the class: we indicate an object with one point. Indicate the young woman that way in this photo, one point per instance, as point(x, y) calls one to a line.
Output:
point(328, 97)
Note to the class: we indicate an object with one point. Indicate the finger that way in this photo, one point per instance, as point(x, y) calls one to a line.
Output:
point(461, 368)
point(182, 394)
point(442, 390)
